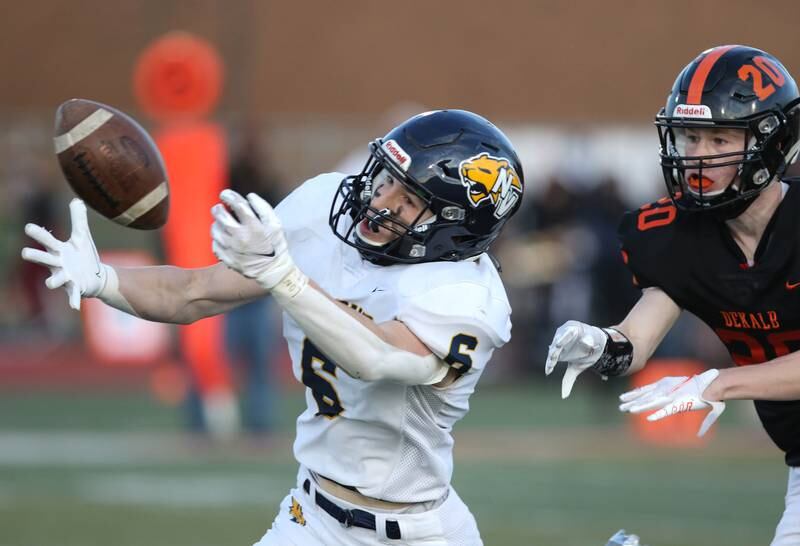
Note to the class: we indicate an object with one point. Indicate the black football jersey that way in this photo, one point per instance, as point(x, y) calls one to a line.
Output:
point(754, 310)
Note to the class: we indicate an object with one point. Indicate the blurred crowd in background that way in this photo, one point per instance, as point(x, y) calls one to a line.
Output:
point(560, 259)
point(578, 108)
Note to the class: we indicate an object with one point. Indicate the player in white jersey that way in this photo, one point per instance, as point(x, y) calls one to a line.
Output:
point(392, 308)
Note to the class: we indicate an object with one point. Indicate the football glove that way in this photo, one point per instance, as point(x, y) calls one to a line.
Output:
point(73, 264)
point(577, 344)
point(673, 395)
point(621, 538)
point(252, 243)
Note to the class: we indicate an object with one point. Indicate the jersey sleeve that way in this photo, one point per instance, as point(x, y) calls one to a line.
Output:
point(647, 236)
point(632, 252)
point(462, 323)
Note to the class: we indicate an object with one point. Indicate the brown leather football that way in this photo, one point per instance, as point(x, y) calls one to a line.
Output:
point(112, 163)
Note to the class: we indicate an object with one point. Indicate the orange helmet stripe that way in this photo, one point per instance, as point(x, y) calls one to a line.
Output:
point(701, 73)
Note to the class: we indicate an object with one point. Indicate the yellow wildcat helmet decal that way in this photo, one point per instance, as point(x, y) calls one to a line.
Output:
point(493, 178)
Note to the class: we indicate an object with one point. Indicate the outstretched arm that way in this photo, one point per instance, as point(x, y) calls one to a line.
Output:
point(182, 296)
point(778, 379)
point(161, 293)
point(254, 245)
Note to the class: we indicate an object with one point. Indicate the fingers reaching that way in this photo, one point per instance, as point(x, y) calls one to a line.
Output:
point(669, 407)
point(263, 209)
point(238, 205)
point(552, 359)
point(77, 212)
point(43, 237)
point(631, 396)
point(40, 257)
point(223, 217)
point(640, 406)
point(560, 341)
point(217, 234)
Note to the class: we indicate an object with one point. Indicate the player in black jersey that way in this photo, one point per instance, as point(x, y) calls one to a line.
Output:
point(725, 246)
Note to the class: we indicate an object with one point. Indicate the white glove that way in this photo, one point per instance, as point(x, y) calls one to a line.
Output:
point(74, 264)
point(254, 245)
point(580, 346)
point(673, 395)
point(621, 538)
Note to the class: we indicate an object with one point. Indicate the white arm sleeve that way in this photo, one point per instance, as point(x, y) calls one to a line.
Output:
point(350, 344)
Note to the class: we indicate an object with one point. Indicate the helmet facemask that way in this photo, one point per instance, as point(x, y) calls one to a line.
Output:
point(688, 177)
point(411, 244)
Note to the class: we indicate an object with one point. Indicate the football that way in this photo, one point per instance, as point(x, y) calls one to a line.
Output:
point(112, 163)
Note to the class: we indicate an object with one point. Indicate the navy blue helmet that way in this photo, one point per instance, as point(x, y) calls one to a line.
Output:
point(464, 169)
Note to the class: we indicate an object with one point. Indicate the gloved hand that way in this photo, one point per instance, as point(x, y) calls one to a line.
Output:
point(673, 395)
point(74, 264)
point(253, 243)
point(580, 346)
point(621, 538)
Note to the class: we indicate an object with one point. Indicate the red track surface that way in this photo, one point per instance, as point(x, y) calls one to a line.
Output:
point(38, 365)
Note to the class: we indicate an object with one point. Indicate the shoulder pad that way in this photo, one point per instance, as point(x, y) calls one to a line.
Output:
point(649, 237)
point(309, 203)
point(457, 294)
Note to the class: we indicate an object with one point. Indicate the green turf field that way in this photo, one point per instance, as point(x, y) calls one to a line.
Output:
point(88, 470)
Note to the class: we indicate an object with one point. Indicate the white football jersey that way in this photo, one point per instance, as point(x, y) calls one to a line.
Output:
point(390, 441)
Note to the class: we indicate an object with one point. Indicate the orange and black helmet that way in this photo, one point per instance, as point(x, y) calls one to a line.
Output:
point(737, 87)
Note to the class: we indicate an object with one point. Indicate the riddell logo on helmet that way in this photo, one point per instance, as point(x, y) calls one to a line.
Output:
point(693, 111)
point(399, 155)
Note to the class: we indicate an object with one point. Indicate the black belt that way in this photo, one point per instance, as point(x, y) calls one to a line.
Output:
point(351, 518)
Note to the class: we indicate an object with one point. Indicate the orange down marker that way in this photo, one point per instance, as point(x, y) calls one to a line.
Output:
point(178, 81)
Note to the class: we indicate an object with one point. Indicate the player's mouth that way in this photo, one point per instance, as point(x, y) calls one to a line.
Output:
point(699, 183)
point(369, 232)
point(368, 226)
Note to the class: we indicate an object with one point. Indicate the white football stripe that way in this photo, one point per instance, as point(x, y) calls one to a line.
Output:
point(85, 128)
point(143, 205)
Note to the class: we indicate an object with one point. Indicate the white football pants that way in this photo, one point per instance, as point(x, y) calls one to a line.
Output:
point(788, 531)
point(301, 522)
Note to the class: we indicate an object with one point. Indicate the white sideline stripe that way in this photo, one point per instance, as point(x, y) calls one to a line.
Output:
point(143, 205)
point(198, 490)
point(85, 128)
point(86, 448)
